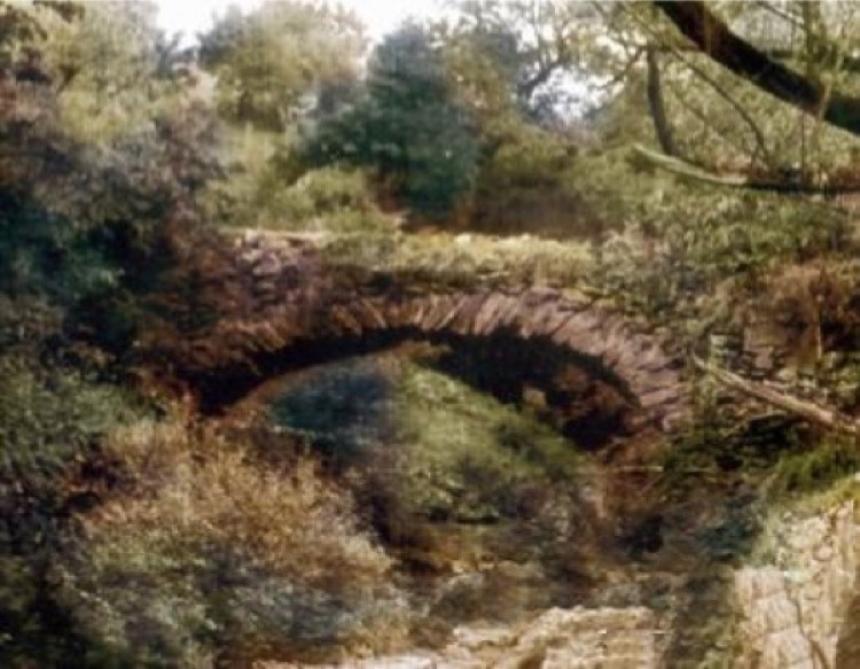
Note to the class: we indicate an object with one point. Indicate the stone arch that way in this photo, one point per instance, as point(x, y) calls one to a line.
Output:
point(275, 308)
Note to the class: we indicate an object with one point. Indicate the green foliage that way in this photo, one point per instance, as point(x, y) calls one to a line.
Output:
point(681, 240)
point(343, 411)
point(453, 469)
point(75, 215)
point(462, 261)
point(528, 182)
point(20, 29)
point(84, 213)
point(327, 200)
point(816, 467)
point(406, 127)
point(49, 420)
point(270, 61)
point(720, 450)
point(438, 448)
point(100, 102)
point(331, 200)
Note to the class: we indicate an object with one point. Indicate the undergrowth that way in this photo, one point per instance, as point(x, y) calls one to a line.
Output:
point(210, 558)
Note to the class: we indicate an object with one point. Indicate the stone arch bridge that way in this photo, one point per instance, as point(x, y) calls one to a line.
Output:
point(270, 306)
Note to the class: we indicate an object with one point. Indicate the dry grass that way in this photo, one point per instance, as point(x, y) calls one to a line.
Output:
point(292, 522)
point(208, 553)
point(462, 260)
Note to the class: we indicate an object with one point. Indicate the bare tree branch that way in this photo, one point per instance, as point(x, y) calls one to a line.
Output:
point(729, 135)
point(688, 170)
point(790, 18)
point(761, 143)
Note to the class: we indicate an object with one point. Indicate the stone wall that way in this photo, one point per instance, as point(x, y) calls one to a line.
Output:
point(792, 611)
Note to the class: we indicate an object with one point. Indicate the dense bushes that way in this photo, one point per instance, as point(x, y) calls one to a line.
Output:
point(50, 423)
point(679, 241)
point(327, 200)
point(209, 557)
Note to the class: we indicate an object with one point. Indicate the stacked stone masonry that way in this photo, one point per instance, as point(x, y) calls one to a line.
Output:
point(280, 309)
point(793, 610)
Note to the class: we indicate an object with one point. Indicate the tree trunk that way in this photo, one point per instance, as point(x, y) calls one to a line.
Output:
point(656, 105)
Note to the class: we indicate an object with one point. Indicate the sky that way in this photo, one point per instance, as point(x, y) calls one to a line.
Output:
point(380, 16)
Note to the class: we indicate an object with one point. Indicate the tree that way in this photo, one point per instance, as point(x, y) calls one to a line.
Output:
point(272, 62)
point(522, 54)
point(736, 92)
point(717, 41)
point(113, 68)
point(406, 126)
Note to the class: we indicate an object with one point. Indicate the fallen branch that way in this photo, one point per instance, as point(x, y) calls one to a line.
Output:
point(686, 169)
point(691, 171)
point(829, 418)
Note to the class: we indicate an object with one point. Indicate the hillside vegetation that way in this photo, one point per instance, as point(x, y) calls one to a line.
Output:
point(374, 504)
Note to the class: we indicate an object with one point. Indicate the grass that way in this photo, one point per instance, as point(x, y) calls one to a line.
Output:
point(441, 260)
point(449, 451)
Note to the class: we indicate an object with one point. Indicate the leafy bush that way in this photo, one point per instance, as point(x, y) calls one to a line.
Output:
point(47, 420)
point(680, 240)
point(324, 200)
point(343, 411)
point(524, 186)
point(816, 467)
point(214, 557)
point(407, 127)
point(99, 102)
point(262, 192)
point(50, 422)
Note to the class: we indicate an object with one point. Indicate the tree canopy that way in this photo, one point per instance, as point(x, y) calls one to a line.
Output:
point(271, 62)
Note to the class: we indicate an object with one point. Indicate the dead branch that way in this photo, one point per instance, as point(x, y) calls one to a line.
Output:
point(829, 418)
point(691, 171)
point(657, 106)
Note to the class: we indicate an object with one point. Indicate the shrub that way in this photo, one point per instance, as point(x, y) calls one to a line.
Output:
point(215, 557)
point(324, 200)
point(818, 467)
point(259, 194)
point(49, 419)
